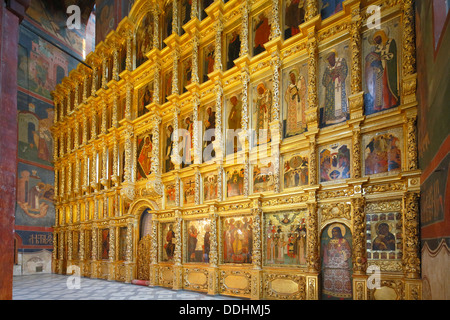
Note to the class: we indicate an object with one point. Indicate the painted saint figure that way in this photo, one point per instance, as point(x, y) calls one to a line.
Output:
point(337, 281)
point(169, 246)
point(234, 48)
point(145, 157)
point(295, 96)
point(385, 240)
point(263, 113)
point(381, 74)
point(335, 109)
point(294, 16)
point(234, 125)
point(262, 34)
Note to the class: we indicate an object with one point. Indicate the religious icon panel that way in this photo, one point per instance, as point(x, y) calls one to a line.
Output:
point(233, 47)
point(384, 236)
point(144, 38)
point(334, 84)
point(233, 103)
point(383, 152)
point(145, 97)
point(285, 238)
point(237, 239)
point(381, 57)
point(189, 191)
point(336, 256)
point(144, 156)
point(208, 118)
point(235, 181)
point(198, 233)
point(295, 170)
point(294, 16)
point(295, 99)
point(168, 241)
point(263, 177)
point(261, 31)
point(170, 194)
point(262, 111)
point(186, 145)
point(210, 186)
point(334, 161)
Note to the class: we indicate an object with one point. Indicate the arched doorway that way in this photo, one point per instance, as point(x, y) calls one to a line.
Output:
point(144, 245)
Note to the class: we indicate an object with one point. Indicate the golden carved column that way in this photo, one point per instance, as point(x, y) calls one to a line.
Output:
point(112, 252)
point(175, 156)
point(356, 99)
point(128, 100)
point(312, 250)
point(128, 186)
point(177, 266)
point(244, 10)
point(129, 42)
point(257, 273)
point(154, 274)
point(312, 112)
point(312, 9)
point(359, 257)
point(313, 172)
point(411, 128)
point(81, 251)
point(409, 80)
point(61, 241)
point(95, 248)
point(115, 160)
point(275, 124)
point(213, 283)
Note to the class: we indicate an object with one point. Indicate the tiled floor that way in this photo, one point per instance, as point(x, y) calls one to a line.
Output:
point(57, 287)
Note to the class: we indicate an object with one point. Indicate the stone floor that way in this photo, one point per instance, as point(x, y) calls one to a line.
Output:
point(61, 287)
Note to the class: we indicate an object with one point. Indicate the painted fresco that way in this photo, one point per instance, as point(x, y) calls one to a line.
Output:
point(235, 181)
point(189, 191)
point(144, 154)
point(210, 186)
point(262, 111)
point(334, 85)
point(381, 54)
point(233, 113)
point(295, 170)
point(285, 238)
point(295, 102)
point(35, 194)
point(35, 119)
point(168, 241)
point(384, 236)
point(383, 152)
point(334, 162)
point(198, 233)
point(294, 15)
point(50, 18)
point(106, 19)
point(330, 7)
point(263, 177)
point(237, 239)
point(260, 31)
point(336, 256)
point(41, 65)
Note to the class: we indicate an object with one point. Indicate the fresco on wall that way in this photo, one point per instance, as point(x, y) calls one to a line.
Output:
point(237, 239)
point(294, 15)
point(295, 102)
point(106, 19)
point(198, 240)
point(334, 162)
point(336, 256)
point(210, 186)
point(285, 238)
point(383, 152)
point(35, 119)
point(41, 65)
point(381, 54)
point(168, 241)
point(35, 194)
point(334, 85)
point(295, 170)
point(50, 18)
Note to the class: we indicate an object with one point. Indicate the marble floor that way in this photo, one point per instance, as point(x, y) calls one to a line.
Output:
point(62, 287)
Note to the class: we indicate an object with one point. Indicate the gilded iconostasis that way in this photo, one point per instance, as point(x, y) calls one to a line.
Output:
point(261, 149)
